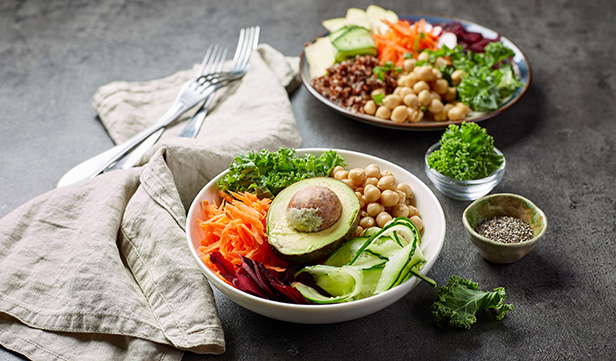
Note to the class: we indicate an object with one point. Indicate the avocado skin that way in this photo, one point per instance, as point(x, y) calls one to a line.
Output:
point(329, 245)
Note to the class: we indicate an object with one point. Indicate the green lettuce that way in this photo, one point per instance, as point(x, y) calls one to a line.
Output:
point(266, 173)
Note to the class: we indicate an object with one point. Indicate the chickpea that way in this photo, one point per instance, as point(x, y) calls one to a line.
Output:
point(411, 79)
point(382, 219)
point(373, 171)
point(391, 101)
point(436, 74)
point(413, 211)
point(386, 172)
point(383, 112)
point(341, 174)
point(370, 180)
point(372, 193)
point(440, 62)
point(415, 115)
point(359, 230)
point(409, 64)
point(400, 210)
point(424, 73)
point(387, 182)
point(337, 168)
point(435, 95)
point(404, 187)
point(370, 107)
point(389, 198)
point(416, 221)
point(440, 116)
point(362, 199)
point(436, 106)
point(456, 76)
point(424, 98)
point(404, 91)
point(374, 208)
point(399, 114)
point(402, 196)
point(380, 91)
point(421, 85)
point(403, 80)
point(451, 94)
point(348, 182)
point(440, 86)
point(357, 176)
point(423, 56)
point(367, 222)
point(456, 113)
point(411, 101)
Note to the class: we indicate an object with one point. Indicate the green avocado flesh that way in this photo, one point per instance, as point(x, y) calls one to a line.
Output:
point(300, 247)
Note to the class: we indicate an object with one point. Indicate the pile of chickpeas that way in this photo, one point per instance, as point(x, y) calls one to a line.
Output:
point(381, 197)
point(422, 93)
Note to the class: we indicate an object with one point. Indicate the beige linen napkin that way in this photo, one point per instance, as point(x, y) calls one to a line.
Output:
point(100, 270)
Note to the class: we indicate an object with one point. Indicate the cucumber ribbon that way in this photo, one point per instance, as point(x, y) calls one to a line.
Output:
point(368, 265)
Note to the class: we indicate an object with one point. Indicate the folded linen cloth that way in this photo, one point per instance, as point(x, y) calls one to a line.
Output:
point(100, 270)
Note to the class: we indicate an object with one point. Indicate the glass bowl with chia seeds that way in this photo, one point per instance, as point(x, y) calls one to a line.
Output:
point(504, 227)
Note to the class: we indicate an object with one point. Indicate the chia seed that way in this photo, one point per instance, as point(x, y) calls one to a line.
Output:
point(505, 229)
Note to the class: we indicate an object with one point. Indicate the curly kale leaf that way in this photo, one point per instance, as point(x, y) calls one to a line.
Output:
point(459, 301)
point(466, 153)
point(266, 173)
point(489, 78)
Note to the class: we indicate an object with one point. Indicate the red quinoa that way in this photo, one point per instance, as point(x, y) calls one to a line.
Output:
point(350, 82)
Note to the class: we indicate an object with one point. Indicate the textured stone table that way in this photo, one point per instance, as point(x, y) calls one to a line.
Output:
point(559, 141)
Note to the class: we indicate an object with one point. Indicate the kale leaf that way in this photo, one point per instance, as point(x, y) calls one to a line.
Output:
point(459, 301)
point(466, 153)
point(266, 173)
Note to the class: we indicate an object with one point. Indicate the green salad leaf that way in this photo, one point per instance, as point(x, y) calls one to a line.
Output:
point(489, 78)
point(466, 153)
point(458, 302)
point(266, 173)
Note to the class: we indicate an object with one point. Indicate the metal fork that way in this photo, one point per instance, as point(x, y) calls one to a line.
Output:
point(247, 42)
point(213, 62)
point(191, 93)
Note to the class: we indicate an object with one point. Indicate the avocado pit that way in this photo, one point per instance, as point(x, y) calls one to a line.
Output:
point(313, 208)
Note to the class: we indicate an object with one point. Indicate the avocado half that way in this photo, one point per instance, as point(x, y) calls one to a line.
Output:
point(301, 247)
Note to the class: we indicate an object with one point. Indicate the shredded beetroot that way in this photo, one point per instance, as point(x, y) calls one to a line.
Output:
point(257, 280)
point(469, 40)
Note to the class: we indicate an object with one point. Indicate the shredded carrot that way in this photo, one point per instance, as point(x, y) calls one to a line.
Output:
point(403, 38)
point(237, 227)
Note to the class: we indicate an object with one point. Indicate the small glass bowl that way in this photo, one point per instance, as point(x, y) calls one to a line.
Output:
point(463, 190)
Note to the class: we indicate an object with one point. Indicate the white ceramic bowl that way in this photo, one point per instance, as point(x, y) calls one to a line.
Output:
point(432, 242)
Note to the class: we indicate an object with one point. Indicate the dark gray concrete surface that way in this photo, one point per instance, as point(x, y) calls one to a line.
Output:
point(559, 141)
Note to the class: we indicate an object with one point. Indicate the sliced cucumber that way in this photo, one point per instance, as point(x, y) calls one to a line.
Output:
point(351, 41)
point(343, 255)
point(342, 283)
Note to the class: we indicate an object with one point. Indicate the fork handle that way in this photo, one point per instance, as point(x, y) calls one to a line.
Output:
point(94, 166)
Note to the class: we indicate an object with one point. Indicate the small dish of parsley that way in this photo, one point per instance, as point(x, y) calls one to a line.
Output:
point(464, 164)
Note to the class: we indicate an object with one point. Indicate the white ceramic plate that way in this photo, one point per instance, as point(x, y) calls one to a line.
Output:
point(520, 63)
point(432, 242)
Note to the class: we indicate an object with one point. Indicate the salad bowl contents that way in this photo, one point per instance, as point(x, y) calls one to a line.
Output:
point(315, 235)
point(413, 72)
point(464, 164)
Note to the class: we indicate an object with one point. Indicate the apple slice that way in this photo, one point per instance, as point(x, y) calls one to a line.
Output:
point(355, 16)
point(320, 55)
point(376, 14)
point(333, 24)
